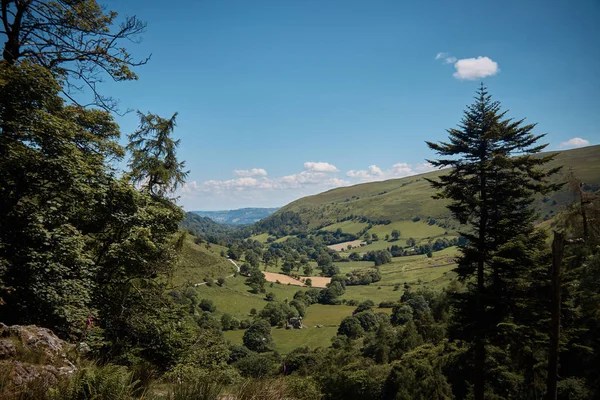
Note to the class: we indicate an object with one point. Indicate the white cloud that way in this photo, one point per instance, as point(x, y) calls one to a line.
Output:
point(574, 142)
point(320, 167)
point(250, 172)
point(398, 170)
point(375, 170)
point(449, 60)
point(371, 173)
point(316, 177)
point(441, 55)
point(475, 68)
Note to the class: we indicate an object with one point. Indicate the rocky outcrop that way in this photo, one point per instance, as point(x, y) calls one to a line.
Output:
point(32, 354)
point(295, 323)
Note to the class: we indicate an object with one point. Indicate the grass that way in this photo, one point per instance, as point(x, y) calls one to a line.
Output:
point(236, 299)
point(287, 340)
point(402, 199)
point(419, 271)
point(196, 263)
point(417, 230)
point(319, 314)
point(261, 238)
point(346, 267)
point(352, 227)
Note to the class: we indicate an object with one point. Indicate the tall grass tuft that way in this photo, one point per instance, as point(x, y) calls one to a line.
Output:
point(110, 382)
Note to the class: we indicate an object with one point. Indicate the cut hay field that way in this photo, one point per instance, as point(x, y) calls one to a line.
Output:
point(344, 245)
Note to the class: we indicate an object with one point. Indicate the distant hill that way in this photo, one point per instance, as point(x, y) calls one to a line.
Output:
point(238, 217)
point(410, 199)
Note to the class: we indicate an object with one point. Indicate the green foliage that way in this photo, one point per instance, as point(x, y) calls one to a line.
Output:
point(256, 280)
point(418, 375)
point(258, 336)
point(351, 327)
point(154, 163)
point(278, 313)
point(95, 382)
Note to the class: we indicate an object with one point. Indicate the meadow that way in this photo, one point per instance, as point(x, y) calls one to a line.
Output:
point(235, 297)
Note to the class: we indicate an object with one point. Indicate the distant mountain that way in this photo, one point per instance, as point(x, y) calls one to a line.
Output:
point(238, 217)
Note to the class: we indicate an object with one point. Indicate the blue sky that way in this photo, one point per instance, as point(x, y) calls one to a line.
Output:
point(282, 99)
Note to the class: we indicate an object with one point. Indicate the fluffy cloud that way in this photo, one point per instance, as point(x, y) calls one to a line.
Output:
point(250, 172)
point(398, 170)
point(316, 177)
point(320, 167)
point(574, 142)
point(475, 68)
point(373, 171)
point(470, 68)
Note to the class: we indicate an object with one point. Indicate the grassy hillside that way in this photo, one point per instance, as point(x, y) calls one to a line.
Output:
point(406, 198)
point(196, 262)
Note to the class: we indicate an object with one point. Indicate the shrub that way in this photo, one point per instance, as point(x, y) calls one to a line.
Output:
point(106, 382)
point(207, 305)
point(258, 336)
point(270, 296)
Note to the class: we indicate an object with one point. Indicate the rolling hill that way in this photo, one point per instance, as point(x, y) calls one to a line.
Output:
point(410, 198)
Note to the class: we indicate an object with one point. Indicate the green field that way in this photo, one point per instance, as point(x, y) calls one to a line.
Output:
point(352, 227)
point(260, 238)
point(288, 340)
point(417, 230)
point(196, 263)
point(235, 298)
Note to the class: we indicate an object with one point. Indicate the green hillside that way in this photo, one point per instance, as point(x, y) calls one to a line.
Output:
point(410, 198)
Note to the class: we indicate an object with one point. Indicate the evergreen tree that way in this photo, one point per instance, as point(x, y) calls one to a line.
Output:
point(493, 177)
point(154, 161)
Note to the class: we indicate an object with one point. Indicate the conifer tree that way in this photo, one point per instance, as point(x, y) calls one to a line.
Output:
point(493, 177)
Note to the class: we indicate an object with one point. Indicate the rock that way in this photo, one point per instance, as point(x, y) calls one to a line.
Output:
point(7, 349)
point(31, 353)
point(83, 348)
point(296, 322)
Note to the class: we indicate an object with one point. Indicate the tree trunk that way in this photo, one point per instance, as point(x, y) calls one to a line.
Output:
point(558, 245)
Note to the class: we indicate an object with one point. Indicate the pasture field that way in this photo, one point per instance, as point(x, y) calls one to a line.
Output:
point(353, 227)
point(235, 298)
point(196, 263)
point(260, 238)
point(417, 230)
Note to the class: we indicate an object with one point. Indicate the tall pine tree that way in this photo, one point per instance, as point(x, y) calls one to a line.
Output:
point(493, 178)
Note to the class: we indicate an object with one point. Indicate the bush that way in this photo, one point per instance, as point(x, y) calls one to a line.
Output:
point(364, 306)
point(258, 336)
point(207, 305)
point(106, 382)
point(388, 304)
point(278, 313)
point(245, 323)
point(255, 366)
point(221, 281)
point(229, 323)
point(270, 296)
